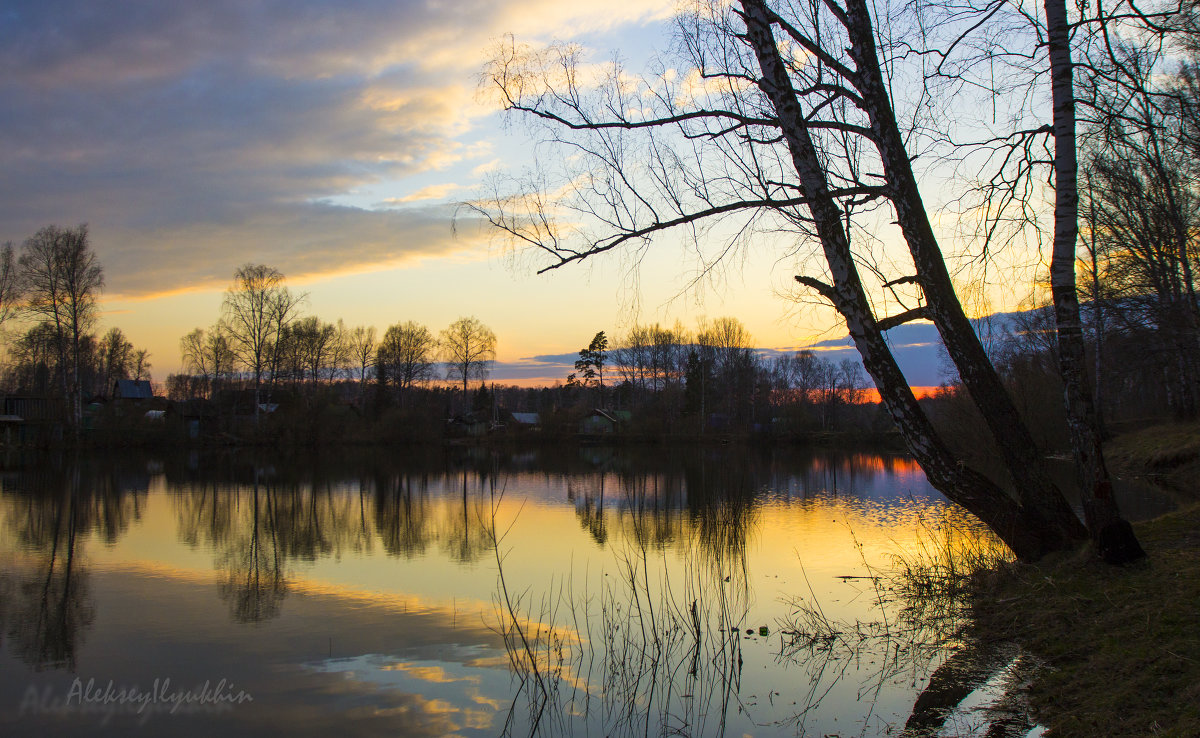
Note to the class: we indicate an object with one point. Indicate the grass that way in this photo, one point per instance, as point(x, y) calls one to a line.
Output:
point(1169, 453)
point(1121, 644)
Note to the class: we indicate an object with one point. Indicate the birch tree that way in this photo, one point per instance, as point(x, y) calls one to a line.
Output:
point(63, 278)
point(256, 306)
point(468, 349)
point(783, 121)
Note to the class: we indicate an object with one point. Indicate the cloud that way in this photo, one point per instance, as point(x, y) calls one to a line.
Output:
point(193, 137)
point(302, 241)
point(487, 166)
point(545, 367)
point(430, 192)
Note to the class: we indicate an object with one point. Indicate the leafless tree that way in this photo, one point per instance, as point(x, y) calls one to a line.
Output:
point(1096, 63)
point(12, 287)
point(116, 356)
point(726, 346)
point(256, 306)
point(208, 354)
point(340, 356)
point(64, 279)
point(1141, 212)
point(317, 346)
point(652, 358)
point(193, 351)
point(468, 348)
point(405, 357)
point(361, 352)
point(795, 375)
point(727, 339)
point(285, 311)
point(141, 366)
point(784, 121)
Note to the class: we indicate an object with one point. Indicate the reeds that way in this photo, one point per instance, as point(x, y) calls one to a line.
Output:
point(642, 649)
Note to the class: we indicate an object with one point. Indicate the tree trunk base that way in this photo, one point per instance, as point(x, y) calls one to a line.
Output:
point(1117, 544)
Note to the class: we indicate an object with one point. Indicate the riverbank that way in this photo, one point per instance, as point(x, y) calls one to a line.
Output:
point(1120, 645)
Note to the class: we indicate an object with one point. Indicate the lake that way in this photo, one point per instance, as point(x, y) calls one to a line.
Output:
point(474, 592)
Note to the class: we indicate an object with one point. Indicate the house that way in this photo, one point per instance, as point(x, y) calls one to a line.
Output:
point(132, 389)
point(31, 418)
point(240, 402)
point(12, 427)
point(528, 421)
point(29, 407)
point(604, 421)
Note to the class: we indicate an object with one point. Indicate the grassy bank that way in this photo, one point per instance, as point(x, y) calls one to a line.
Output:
point(1121, 645)
point(1169, 454)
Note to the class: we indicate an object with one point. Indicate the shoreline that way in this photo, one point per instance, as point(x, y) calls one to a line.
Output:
point(1119, 645)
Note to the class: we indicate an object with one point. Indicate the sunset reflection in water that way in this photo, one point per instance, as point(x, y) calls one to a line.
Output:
point(364, 594)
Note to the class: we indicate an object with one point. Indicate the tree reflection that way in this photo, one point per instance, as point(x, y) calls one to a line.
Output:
point(251, 562)
point(403, 514)
point(646, 646)
point(708, 503)
point(722, 508)
point(50, 511)
point(205, 512)
point(587, 493)
point(465, 534)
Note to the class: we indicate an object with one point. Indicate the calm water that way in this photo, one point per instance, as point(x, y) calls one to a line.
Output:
point(587, 592)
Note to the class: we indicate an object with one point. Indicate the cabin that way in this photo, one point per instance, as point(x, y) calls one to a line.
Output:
point(527, 421)
point(31, 419)
point(601, 422)
point(132, 389)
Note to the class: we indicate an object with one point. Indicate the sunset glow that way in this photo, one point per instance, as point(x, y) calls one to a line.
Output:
point(336, 145)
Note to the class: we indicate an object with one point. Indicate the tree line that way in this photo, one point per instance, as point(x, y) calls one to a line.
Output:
point(51, 288)
point(676, 380)
point(714, 378)
point(262, 339)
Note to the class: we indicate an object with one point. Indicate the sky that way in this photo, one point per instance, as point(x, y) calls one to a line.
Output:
point(334, 142)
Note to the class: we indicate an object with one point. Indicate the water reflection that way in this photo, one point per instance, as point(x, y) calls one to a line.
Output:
point(594, 590)
point(403, 513)
point(646, 652)
point(49, 512)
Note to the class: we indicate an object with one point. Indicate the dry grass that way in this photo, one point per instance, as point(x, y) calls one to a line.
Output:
point(1122, 644)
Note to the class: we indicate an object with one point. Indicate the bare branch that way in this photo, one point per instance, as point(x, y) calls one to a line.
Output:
point(892, 321)
point(819, 287)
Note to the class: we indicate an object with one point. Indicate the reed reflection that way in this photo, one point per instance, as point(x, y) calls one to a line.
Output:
point(657, 648)
point(647, 652)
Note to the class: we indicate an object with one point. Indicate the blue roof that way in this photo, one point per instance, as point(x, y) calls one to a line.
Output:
point(133, 389)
